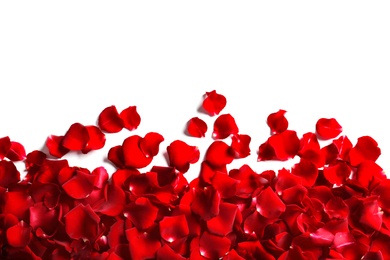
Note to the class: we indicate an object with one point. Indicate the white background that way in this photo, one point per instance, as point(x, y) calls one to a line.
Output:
point(64, 62)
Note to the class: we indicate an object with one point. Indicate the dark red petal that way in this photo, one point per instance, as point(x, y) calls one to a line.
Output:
point(371, 215)
point(277, 122)
point(181, 155)
point(196, 127)
point(44, 219)
point(8, 174)
point(115, 155)
point(113, 202)
point(224, 126)
point(76, 138)
point(366, 148)
point(142, 213)
point(240, 145)
point(79, 186)
point(149, 145)
point(130, 117)
point(222, 224)
point(269, 205)
point(82, 222)
point(310, 150)
point(110, 121)
point(338, 173)
point(214, 103)
point(266, 152)
point(285, 145)
point(133, 155)
point(212, 246)
point(173, 228)
point(206, 202)
point(307, 171)
point(16, 152)
point(96, 139)
point(5, 144)
point(328, 128)
point(19, 235)
point(253, 250)
point(367, 171)
point(101, 177)
point(336, 208)
point(142, 244)
point(17, 203)
point(167, 253)
point(232, 255)
point(55, 147)
point(219, 154)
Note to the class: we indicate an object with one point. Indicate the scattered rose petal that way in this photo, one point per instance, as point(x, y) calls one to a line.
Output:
point(269, 205)
point(76, 138)
point(8, 174)
point(5, 145)
point(16, 152)
point(366, 148)
point(19, 235)
point(110, 121)
point(240, 145)
point(142, 213)
point(181, 155)
point(149, 145)
point(55, 147)
point(224, 126)
point(222, 224)
point(133, 155)
point(174, 228)
point(130, 117)
point(337, 173)
point(196, 127)
point(96, 139)
point(219, 154)
point(82, 222)
point(328, 128)
point(212, 246)
point(307, 171)
point(214, 103)
point(277, 122)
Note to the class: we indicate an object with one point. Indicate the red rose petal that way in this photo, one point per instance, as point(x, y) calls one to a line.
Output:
point(130, 117)
point(338, 173)
point(366, 148)
point(269, 205)
point(173, 228)
point(167, 253)
point(219, 154)
point(214, 103)
point(142, 213)
point(367, 172)
point(212, 246)
point(133, 155)
point(8, 174)
point(113, 202)
point(336, 208)
point(16, 152)
point(232, 255)
point(266, 152)
point(80, 185)
point(224, 126)
point(55, 147)
point(206, 202)
point(307, 171)
point(371, 216)
point(115, 155)
point(373, 256)
point(142, 245)
point(96, 139)
point(5, 145)
point(19, 235)
point(225, 185)
point(328, 128)
point(76, 138)
point(17, 203)
point(149, 145)
point(82, 222)
point(277, 122)
point(222, 224)
point(285, 145)
point(343, 145)
point(240, 145)
point(181, 155)
point(110, 121)
point(253, 250)
point(310, 150)
point(196, 127)
point(44, 219)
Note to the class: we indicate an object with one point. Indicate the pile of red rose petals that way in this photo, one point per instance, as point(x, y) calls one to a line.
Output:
point(333, 204)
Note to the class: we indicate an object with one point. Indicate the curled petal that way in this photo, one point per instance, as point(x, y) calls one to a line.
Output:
point(82, 222)
point(366, 148)
point(76, 138)
point(277, 122)
point(328, 128)
point(196, 127)
point(307, 171)
point(181, 155)
point(367, 172)
point(115, 155)
point(338, 173)
point(101, 177)
point(167, 253)
point(8, 174)
point(222, 224)
point(80, 185)
point(173, 228)
point(44, 219)
point(142, 245)
point(253, 250)
point(110, 121)
point(336, 208)
point(224, 126)
point(212, 246)
point(310, 149)
point(19, 235)
point(149, 145)
point(55, 147)
point(219, 154)
point(5, 144)
point(343, 145)
point(240, 145)
point(130, 117)
point(16, 152)
point(266, 152)
point(206, 202)
point(285, 145)
point(96, 139)
point(214, 103)
point(113, 202)
point(269, 205)
point(132, 154)
point(142, 213)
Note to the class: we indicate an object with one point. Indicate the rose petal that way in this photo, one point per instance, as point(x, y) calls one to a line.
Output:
point(110, 121)
point(338, 173)
point(253, 250)
point(16, 152)
point(82, 222)
point(5, 145)
point(173, 228)
point(17, 203)
point(167, 253)
point(19, 235)
point(142, 245)
point(366, 148)
point(196, 127)
point(222, 224)
point(142, 213)
point(310, 150)
point(373, 256)
point(266, 152)
point(219, 154)
point(212, 246)
point(55, 147)
point(240, 145)
point(214, 103)
point(115, 155)
point(181, 155)
point(371, 216)
point(277, 122)
point(113, 202)
point(206, 202)
point(76, 138)
point(8, 174)
point(285, 145)
point(149, 145)
point(44, 219)
point(336, 208)
point(133, 155)
point(269, 205)
point(224, 126)
point(367, 172)
point(80, 185)
point(248, 181)
point(232, 255)
point(225, 185)
point(343, 145)
point(130, 117)
point(328, 128)
point(96, 139)
point(307, 171)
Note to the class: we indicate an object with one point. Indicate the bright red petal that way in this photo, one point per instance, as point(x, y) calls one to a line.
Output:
point(269, 205)
point(130, 117)
point(219, 154)
point(55, 147)
point(16, 152)
point(76, 138)
point(8, 174)
point(115, 155)
point(82, 222)
point(110, 121)
point(142, 244)
point(206, 202)
point(96, 139)
point(149, 145)
point(366, 148)
point(224, 126)
point(328, 128)
point(307, 171)
point(310, 150)
point(222, 224)
point(277, 122)
point(113, 202)
point(367, 172)
point(214, 103)
point(142, 213)
point(181, 155)
point(133, 155)
point(212, 246)
point(5, 144)
point(196, 127)
point(80, 185)
point(338, 173)
point(19, 235)
point(167, 253)
point(285, 145)
point(240, 145)
point(173, 228)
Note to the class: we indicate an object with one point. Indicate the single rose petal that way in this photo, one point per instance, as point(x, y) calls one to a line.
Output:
point(196, 127)
point(232, 255)
point(307, 171)
point(16, 152)
point(310, 150)
point(130, 117)
point(240, 145)
point(212, 246)
point(149, 145)
point(181, 155)
point(285, 145)
point(366, 148)
point(219, 154)
point(55, 147)
point(373, 256)
point(132, 154)
point(224, 126)
point(269, 205)
point(115, 155)
point(173, 228)
point(247, 181)
point(336, 208)
point(5, 145)
point(367, 172)
point(17, 203)
point(328, 128)
point(142, 245)
point(76, 138)
point(142, 213)
point(222, 224)
point(206, 202)
point(371, 215)
point(338, 173)
point(167, 253)
point(113, 202)
point(82, 222)
point(266, 152)
point(19, 235)
point(44, 219)
point(285, 180)
point(80, 185)
point(225, 185)
point(214, 103)
point(110, 121)
point(8, 174)
point(277, 122)
point(253, 250)
point(322, 237)
point(101, 177)
point(96, 140)
point(343, 145)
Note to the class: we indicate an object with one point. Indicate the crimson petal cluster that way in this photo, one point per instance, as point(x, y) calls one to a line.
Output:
point(334, 203)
